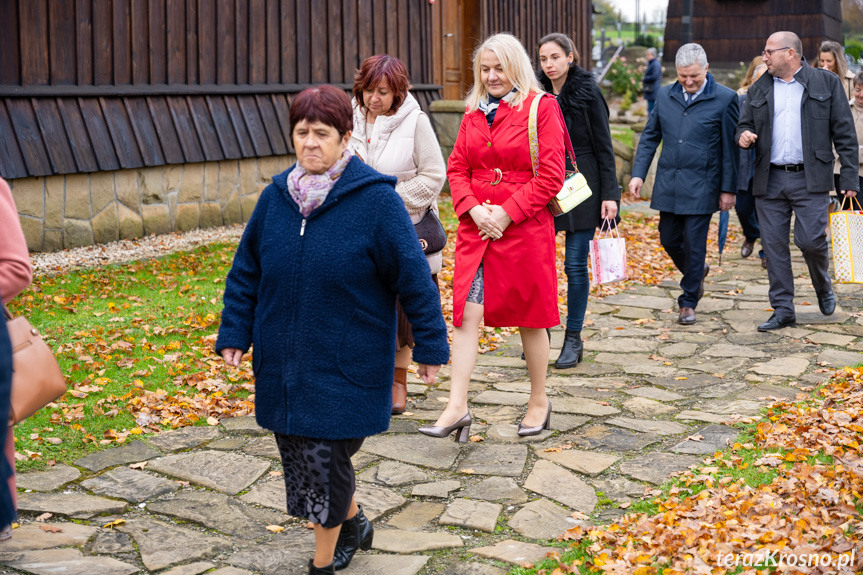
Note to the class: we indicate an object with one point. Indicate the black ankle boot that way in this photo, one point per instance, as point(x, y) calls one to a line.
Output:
point(572, 351)
point(356, 533)
point(548, 331)
point(328, 570)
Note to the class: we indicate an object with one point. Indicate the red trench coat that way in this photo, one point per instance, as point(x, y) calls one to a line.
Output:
point(520, 287)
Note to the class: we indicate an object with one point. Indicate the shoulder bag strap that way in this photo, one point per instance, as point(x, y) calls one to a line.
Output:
point(533, 139)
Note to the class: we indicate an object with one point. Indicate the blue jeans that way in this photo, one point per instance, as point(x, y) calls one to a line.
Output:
point(650, 105)
point(578, 280)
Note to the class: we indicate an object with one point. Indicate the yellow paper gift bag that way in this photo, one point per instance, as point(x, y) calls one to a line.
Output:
point(846, 235)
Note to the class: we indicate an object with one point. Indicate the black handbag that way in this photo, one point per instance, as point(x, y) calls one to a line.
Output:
point(431, 234)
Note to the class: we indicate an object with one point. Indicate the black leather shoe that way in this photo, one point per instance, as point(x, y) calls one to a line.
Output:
point(827, 303)
point(328, 570)
point(572, 351)
point(687, 316)
point(356, 533)
point(746, 249)
point(763, 262)
point(701, 287)
point(777, 321)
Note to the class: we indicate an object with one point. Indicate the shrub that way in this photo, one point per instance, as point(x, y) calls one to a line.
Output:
point(625, 77)
point(854, 48)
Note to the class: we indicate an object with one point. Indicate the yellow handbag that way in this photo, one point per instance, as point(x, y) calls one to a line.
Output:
point(575, 189)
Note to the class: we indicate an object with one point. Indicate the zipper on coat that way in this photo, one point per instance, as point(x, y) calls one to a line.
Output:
point(303, 227)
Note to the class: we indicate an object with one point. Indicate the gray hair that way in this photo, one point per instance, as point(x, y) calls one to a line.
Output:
point(690, 54)
point(651, 51)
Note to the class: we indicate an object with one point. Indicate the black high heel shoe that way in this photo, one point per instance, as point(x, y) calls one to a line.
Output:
point(528, 431)
point(328, 570)
point(356, 533)
point(462, 427)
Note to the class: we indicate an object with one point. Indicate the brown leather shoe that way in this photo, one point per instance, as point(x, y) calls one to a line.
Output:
point(746, 249)
point(687, 316)
point(400, 390)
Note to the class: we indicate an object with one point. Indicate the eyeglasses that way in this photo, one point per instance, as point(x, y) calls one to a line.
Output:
point(769, 53)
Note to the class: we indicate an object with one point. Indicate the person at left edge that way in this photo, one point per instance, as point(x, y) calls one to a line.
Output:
point(313, 288)
point(394, 136)
point(695, 119)
point(586, 116)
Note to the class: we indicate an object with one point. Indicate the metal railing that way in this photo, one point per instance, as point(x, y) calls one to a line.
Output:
point(611, 61)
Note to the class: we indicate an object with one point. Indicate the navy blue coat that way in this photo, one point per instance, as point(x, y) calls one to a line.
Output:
point(652, 79)
point(699, 154)
point(317, 299)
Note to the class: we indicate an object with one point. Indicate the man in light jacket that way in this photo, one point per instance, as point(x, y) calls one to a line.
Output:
point(695, 119)
point(795, 115)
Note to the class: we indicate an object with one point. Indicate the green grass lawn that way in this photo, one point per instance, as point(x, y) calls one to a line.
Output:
point(135, 342)
point(624, 135)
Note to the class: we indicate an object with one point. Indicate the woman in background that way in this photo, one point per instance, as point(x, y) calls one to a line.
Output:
point(395, 137)
point(832, 57)
point(586, 115)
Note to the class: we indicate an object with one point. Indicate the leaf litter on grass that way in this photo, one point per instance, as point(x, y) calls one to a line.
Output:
point(790, 495)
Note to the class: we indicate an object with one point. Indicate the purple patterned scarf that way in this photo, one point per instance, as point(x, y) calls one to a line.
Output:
point(310, 190)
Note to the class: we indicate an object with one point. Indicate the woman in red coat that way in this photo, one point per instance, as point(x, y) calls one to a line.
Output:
point(505, 251)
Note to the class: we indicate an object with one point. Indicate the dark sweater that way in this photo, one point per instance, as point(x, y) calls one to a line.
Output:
point(316, 298)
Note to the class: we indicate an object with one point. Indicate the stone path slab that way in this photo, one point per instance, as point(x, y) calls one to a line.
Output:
point(32, 537)
point(515, 552)
point(71, 504)
point(269, 493)
point(377, 501)
point(262, 447)
point(190, 569)
point(393, 474)
point(226, 472)
point(416, 449)
point(440, 489)
point(134, 452)
point(838, 358)
point(163, 544)
point(245, 425)
point(112, 543)
point(649, 302)
point(581, 406)
point(709, 440)
point(787, 366)
point(701, 416)
point(51, 479)
point(472, 568)
point(643, 407)
point(129, 484)
point(657, 467)
point(561, 485)
point(501, 398)
point(218, 511)
point(184, 438)
point(654, 393)
point(542, 519)
point(499, 489)
point(500, 460)
point(479, 515)
point(408, 542)
point(731, 350)
point(586, 462)
point(69, 562)
point(416, 516)
point(385, 565)
point(621, 345)
point(289, 552)
point(614, 439)
point(508, 433)
point(658, 427)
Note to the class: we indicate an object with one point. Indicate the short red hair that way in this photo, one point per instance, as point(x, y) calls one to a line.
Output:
point(376, 68)
point(325, 104)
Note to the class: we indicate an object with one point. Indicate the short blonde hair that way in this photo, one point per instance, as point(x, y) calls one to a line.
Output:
point(516, 65)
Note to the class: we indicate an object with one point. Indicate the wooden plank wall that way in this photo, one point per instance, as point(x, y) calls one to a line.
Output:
point(138, 42)
point(530, 20)
point(733, 31)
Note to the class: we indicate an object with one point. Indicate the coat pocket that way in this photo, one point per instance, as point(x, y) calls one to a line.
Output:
point(825, 155)
point(819, 105)
point(365, 351)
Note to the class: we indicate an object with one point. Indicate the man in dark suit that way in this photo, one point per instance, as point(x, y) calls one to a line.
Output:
point(695, 119)
point(794, 116)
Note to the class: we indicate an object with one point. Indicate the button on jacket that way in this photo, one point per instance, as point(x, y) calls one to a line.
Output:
point(825, 120)
point(699, 155)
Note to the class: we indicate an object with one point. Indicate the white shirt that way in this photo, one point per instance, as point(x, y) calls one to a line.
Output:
point(787, 128)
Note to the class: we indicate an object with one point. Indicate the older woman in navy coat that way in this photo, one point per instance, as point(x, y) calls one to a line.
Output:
point(313, 288)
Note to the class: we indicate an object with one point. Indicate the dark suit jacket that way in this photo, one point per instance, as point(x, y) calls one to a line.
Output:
point(826, 123)
point(699, 156)
point(652, 79)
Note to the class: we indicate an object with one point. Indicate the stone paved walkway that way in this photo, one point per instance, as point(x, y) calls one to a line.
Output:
point(650, 399)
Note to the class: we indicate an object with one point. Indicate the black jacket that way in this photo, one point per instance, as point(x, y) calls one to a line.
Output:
point(586, 115)
point(652, 79)
point(826, 123)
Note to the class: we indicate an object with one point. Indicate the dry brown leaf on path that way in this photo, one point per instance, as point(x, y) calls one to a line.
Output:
point(275, 528)
point(44, 517)
point(51, 529)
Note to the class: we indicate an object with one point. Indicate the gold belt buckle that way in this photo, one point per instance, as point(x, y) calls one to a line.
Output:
point(499, 176)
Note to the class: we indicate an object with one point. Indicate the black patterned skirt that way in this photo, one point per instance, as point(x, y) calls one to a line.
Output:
point(319, 477)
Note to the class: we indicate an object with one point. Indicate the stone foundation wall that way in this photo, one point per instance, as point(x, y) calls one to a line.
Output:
point(59, 212)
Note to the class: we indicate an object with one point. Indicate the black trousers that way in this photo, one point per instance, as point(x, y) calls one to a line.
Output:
point(7, 508)
point(684, 238)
